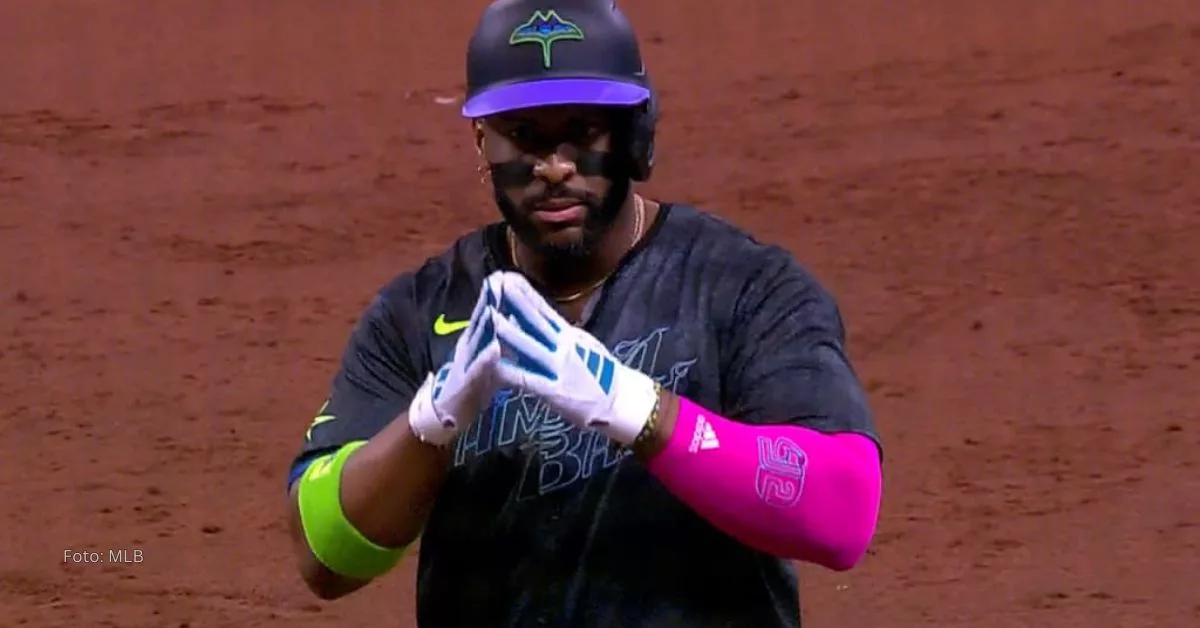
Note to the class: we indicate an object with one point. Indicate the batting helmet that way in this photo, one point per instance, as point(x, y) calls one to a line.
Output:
point(535, 53)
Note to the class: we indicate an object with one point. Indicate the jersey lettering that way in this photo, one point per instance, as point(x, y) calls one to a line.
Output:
point(558, 455)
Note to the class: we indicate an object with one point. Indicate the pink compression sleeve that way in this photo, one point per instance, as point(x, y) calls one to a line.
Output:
point(782, 489)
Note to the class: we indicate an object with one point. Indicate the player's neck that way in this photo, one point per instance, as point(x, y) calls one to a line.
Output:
point(580, 275)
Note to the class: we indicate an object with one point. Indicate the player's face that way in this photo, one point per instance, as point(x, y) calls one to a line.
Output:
point(561, 212)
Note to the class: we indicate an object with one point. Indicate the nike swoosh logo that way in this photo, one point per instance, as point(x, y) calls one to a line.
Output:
point(319, 419)
point(443, 327)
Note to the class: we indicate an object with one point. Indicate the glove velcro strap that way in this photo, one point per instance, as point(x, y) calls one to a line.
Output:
point(330, 535)
point(423, 418)
point(634, 398)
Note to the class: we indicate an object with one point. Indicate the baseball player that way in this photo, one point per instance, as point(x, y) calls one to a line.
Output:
point(603, 410)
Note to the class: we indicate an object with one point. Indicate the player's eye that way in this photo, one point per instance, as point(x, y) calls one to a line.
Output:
point(521, 134)
point(585, 132)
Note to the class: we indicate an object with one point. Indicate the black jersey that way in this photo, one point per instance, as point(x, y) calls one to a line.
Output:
point(542, 524)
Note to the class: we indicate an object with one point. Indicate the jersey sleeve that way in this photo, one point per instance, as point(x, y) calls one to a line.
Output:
point(787, 360)
point(379, 374)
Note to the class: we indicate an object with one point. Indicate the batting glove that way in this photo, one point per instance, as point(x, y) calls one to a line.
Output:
point(450, 399)
point(572, 371)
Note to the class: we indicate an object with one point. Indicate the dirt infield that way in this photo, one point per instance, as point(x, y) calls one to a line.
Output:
point(197, 198)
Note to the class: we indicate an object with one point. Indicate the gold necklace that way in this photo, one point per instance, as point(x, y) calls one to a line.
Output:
point(639, 206)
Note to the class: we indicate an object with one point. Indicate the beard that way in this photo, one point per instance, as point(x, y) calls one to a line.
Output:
point(602, 212)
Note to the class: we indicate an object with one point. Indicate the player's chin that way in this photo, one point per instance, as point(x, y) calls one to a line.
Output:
point(563, 238)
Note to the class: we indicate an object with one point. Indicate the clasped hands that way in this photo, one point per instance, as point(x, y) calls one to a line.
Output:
point(515, 339)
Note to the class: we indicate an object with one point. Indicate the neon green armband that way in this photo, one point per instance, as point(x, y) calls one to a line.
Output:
point(331, 537)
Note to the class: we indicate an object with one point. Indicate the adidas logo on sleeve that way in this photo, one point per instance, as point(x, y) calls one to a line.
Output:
point(704, 437)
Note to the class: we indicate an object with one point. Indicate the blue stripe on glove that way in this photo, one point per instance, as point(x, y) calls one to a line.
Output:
point(600, 366)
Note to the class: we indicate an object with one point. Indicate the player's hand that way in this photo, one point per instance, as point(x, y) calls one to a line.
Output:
point(572, 371)
point(450, 399)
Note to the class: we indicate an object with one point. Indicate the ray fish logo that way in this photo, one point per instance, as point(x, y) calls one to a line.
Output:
point(544, 28)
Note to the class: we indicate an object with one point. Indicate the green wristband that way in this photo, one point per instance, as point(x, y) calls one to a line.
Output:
point(331, 537)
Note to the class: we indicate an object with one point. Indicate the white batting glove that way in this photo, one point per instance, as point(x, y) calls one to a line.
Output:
point(572, 371)
point(450, 399)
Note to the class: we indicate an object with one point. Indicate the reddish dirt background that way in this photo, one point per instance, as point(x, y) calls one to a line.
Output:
point(197, 198)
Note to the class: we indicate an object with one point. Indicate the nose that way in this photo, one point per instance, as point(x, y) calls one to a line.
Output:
point(554, 168)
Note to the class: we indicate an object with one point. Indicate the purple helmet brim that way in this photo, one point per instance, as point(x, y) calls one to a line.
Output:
point(548, 92)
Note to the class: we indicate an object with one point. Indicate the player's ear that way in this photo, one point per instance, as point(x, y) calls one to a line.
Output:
point(477, 128)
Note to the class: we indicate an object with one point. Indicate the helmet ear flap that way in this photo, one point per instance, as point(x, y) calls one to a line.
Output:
point(641, 138)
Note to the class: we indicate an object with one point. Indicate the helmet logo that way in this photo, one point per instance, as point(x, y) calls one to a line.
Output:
point(544, 28)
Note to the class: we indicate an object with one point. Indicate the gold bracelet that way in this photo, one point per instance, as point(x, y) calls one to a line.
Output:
point(651, 425)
